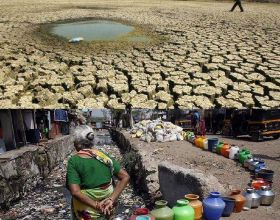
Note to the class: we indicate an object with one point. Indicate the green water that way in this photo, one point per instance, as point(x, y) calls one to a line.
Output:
point(95, 31)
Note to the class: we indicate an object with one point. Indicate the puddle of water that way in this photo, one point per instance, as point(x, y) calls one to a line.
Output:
point(97, 30)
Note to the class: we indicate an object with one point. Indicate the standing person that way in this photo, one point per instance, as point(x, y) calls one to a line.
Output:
point(237, 2)
point(195, 121)
point(236, 123)
point(90, 178)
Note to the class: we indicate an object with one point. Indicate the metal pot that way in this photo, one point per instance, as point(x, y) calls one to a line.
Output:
point(253, 199)
point(120, 217)
point(252, 165)
point(267, 196)
point(247, 162)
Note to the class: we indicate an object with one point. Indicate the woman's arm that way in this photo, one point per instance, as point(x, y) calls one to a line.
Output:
point(122, 183)
point(76, 192)
point(106, 205)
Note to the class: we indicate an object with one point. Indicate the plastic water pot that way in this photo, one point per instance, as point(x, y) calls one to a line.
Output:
point(219, 147)
point(213, 206)
point(239, 200)
point(244, 154)
point(182, 211)
point(233, 151)
point(205, 144)
point(225, 150)
point(211, 143)
point(162, 211)
point(196, 204)
point(266, 174)
point(230, 204)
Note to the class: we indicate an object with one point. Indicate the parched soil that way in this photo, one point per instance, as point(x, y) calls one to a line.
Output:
point(206, 56)
point(228, 172)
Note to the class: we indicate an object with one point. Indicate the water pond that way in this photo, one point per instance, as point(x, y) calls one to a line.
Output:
point(97, 30)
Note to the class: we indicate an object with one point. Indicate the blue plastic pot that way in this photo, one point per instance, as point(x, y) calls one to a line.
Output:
point(266, 174)
point(212, 142)
point(143, 217)
point(259, 166)
point(213, 206)
point(230, 203)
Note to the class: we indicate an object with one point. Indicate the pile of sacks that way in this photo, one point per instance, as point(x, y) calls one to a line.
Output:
point(157, 131)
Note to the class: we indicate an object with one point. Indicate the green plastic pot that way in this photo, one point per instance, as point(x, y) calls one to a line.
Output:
point(219, 147)
point(244, 154)
point(162, 211)
point(182, 211)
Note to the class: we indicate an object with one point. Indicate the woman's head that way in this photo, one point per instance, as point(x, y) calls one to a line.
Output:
point(83, 137)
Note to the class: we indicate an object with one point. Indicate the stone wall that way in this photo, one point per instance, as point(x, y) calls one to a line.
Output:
point(175, 182)
point(21, 169)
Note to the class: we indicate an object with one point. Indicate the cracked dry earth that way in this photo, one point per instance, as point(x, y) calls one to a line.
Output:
point(209, 58)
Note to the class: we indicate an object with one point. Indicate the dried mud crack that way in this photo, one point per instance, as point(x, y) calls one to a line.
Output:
point(209, 58)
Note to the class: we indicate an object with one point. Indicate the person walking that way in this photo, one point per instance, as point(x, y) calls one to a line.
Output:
point(90, 178)
point(237, 2)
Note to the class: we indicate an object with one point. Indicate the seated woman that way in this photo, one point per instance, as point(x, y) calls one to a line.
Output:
point(90, 178)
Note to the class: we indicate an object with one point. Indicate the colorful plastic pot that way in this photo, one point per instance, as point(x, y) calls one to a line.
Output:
point(182, 211)
point(266, 174)
point(213, 206)
point(225, 150)
point(233, 151)
point(244, 154)
point(196, 204)
point(230, 204)
point(162, 211)
point(258, 183)
point(212, 142)
point(239, 200)
point(219, 147)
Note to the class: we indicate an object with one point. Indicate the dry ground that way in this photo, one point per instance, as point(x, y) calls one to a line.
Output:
point(210, 57)
point(228, 172)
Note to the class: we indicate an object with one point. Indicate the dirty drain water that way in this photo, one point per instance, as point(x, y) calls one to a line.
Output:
point(51, 200)
point(95, 30)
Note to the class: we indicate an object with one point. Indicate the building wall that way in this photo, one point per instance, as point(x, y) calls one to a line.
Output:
point(7, 127)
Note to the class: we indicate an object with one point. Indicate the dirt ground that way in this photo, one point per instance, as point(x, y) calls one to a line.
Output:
point(210, 56)
point(228, 172)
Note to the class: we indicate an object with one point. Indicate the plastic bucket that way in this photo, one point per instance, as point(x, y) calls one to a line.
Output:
point(212, 142)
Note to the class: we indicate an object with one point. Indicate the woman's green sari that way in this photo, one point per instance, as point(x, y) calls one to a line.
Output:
point(81, 211)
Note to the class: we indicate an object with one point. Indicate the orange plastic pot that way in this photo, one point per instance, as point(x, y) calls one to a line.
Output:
point(225, 150)
point(202, 142)
point(196, 204)
point(239, 200)
point(198, 141)
point(258, 183)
